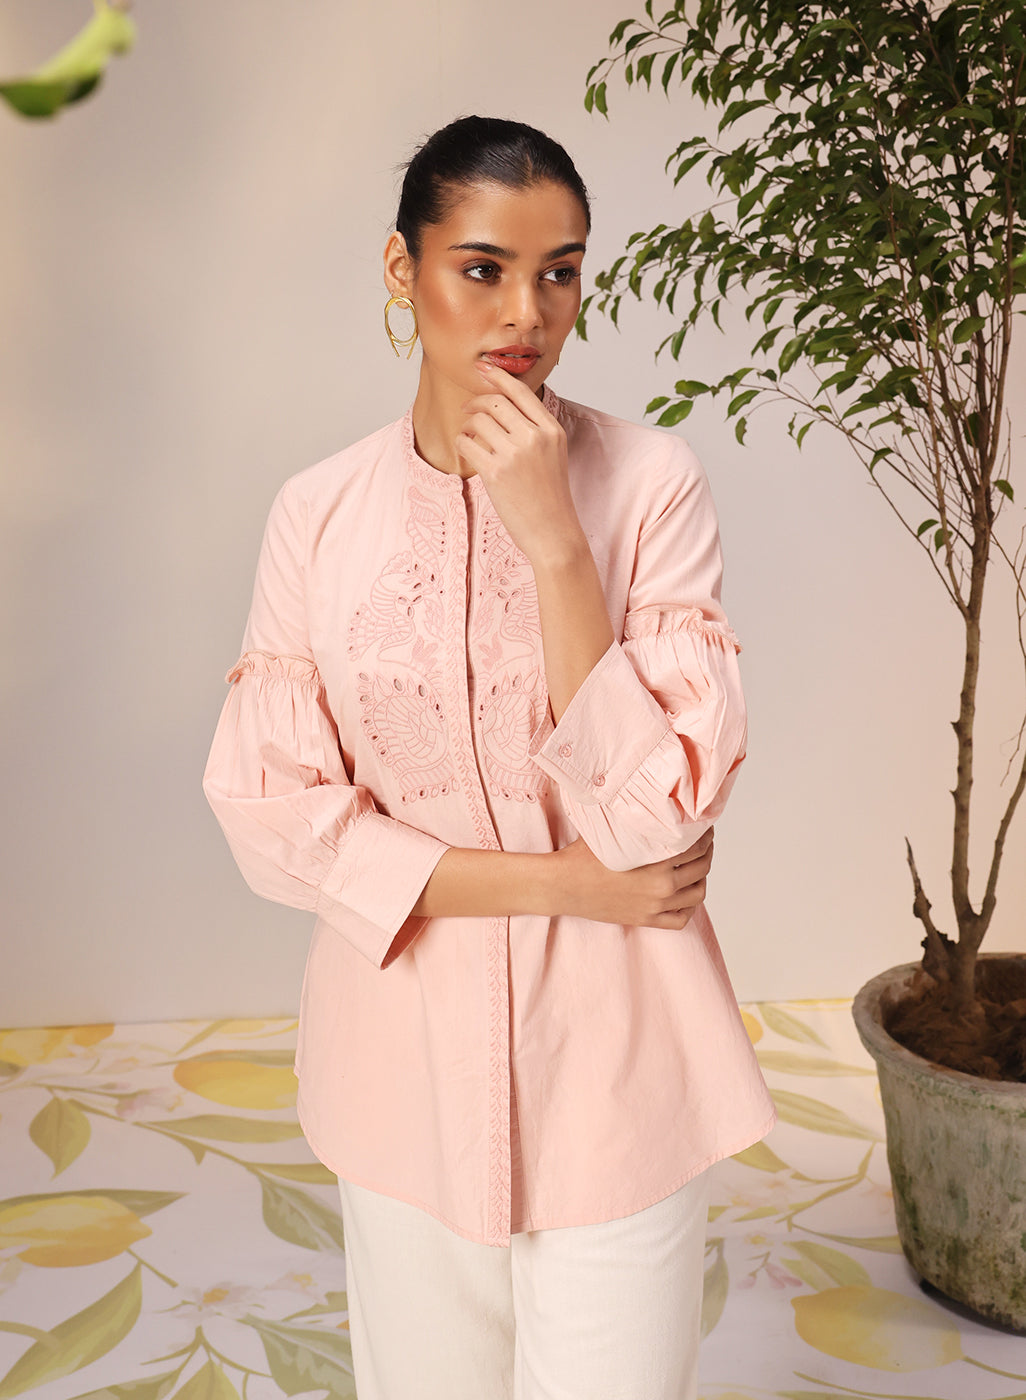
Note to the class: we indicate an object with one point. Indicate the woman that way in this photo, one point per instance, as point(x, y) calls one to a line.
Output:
point(487, 711)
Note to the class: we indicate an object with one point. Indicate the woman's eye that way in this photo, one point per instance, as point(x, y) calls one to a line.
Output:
point(482, 272)
point(562, 276)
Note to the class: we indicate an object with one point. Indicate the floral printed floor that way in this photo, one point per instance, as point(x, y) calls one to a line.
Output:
point(133, 1264)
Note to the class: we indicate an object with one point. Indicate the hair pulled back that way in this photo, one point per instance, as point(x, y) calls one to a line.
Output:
point(474, 150)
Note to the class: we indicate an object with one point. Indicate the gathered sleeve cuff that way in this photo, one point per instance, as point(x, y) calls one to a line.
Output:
point(301, 832)
point(648, 749)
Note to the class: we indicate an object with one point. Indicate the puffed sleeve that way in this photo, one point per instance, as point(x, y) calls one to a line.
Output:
point(648, 749)
point(301, 832)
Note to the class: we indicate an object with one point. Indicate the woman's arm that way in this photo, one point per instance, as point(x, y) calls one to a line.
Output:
point(570, 881)
point(649, 733)
point(520, 452)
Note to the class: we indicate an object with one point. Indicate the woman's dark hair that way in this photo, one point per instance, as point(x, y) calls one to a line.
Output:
point(473, 150)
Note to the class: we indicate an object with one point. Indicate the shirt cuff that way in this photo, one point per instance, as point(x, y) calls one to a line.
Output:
point(378, 876)
point(607, 731)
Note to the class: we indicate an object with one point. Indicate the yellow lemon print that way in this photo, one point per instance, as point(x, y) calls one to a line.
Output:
point(238, 1083)
point(878, 1328)
point(64, 1231)
point(754, 1033)
point(40, 1045)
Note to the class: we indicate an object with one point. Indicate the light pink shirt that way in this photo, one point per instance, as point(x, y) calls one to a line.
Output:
point(516, 1073)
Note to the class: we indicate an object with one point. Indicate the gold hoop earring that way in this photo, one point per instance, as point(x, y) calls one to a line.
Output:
point(396, 340)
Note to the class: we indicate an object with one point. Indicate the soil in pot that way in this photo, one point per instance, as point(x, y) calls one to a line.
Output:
point(988, 1041)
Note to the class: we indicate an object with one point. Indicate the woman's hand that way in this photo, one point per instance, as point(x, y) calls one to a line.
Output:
point(663, 895)
point(519, 450)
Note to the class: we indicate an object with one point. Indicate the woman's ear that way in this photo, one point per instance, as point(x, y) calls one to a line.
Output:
point(398, 266)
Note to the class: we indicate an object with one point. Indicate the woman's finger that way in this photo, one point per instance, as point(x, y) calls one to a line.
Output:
point(515, 390)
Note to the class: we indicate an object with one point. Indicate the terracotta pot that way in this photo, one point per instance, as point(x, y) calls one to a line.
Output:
point(956, 1146)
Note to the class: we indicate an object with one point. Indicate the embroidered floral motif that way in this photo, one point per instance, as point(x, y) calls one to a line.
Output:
point(507, 717)
point(405, 725)
point(512, 698)
point(399, 635)
point(397, 632)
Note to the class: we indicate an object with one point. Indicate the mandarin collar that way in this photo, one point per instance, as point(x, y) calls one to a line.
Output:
point(450, 483)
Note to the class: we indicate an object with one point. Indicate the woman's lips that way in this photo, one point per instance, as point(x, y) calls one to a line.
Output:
point(514, 359)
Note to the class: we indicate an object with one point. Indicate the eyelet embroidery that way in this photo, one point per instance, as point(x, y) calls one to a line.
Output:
point(397, 633)
point(513, 698)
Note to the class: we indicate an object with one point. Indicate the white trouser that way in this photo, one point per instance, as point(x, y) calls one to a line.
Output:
point(587, 1312)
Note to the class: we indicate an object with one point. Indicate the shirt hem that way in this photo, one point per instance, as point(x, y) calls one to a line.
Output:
point(528, 1225)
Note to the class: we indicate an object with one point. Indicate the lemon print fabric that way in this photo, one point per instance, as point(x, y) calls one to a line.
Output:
point(878, 1327)
point(166, 1234)
point(240, 1081)
point(61, 1231)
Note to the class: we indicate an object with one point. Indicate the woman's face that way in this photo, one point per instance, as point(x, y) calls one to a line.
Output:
point(499, 280)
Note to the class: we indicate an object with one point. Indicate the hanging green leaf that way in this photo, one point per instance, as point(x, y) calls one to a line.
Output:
point(966, 329)
point(676, 413)
point(77, 69)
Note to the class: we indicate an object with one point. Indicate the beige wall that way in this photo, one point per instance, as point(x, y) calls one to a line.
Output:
point(190, 301)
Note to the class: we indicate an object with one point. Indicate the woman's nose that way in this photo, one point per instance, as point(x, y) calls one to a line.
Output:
point(522, 307)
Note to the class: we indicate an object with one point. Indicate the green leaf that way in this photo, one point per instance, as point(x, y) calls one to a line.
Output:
point(210, 1383)
point(738, 402)
point(786, 1063)
point(154, 1388)
point(762, 1158)
point(222, 1127)
point(76, 69)
point(966, 329)
point(80, 1339)
point(600, 99)
point(690, 388)
point(61, 1130)
point(836, 1268)
point(302, 1358)
point(315, 1173)
point(940, 539)
point(819, 1117)
point(740, 428)
point(926, 525)
point(715, 1288)
point(1005, 487)
point(139, 1202)
point(299, 1218)
point(276, 1058)
point(882, 1244)
point(656, 403)
point(790, 352)
point(787, 1025)
point(676, 413)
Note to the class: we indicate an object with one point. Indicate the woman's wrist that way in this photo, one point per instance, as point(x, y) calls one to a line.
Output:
point(470, 883)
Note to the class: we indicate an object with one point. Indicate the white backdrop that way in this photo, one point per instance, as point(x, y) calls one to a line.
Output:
point(190, 297)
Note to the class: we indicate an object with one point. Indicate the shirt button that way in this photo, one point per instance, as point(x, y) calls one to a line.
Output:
point(600, 779)
point(566, 750)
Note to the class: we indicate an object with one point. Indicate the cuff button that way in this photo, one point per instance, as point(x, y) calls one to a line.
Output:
point(566, 750)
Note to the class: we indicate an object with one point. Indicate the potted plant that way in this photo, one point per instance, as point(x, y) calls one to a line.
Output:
point(869, 213)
